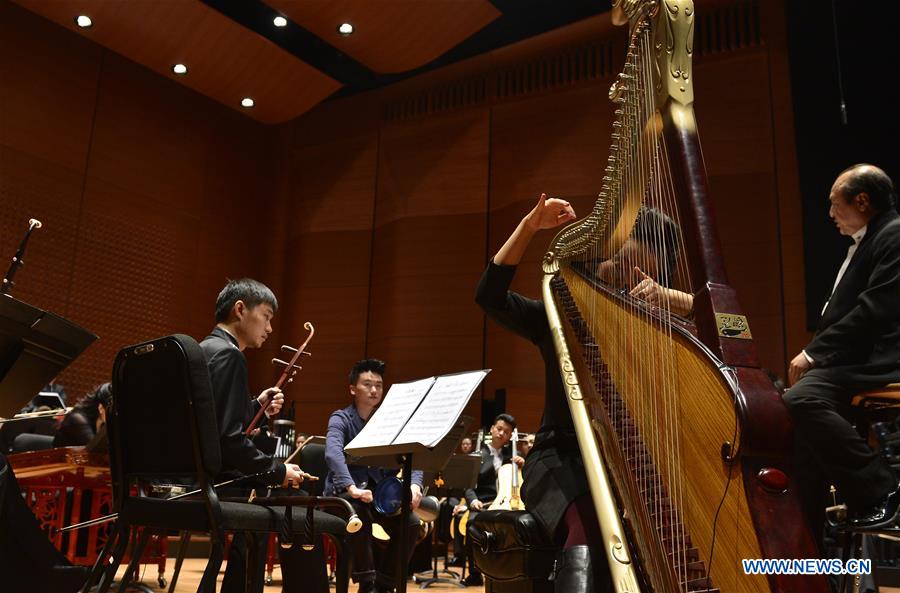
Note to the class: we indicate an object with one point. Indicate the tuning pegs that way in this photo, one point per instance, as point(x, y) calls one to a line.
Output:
point(292, 350)
point(279, 362)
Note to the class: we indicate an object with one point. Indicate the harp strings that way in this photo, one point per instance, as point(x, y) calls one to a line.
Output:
point(641, 368)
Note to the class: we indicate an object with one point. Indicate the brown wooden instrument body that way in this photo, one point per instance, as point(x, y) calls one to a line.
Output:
point(752, 522)
point(764, 423)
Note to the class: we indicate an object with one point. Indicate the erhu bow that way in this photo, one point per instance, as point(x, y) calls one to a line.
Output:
point(287, 376)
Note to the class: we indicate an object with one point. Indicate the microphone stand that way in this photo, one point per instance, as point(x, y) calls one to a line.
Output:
point(17, 260)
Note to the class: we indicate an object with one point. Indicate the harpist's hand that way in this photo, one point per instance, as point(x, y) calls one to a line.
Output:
point(362, 494)
point(798, 368)
point(518, 460)
point(549, 213)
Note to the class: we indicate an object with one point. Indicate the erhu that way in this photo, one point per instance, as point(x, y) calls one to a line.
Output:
point(287, 376)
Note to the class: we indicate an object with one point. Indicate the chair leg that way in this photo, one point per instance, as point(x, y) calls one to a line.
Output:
point(216, 556)
point(135, 563)
point(251, 561)
point(98, 567)
point(342, 577)
point(182, 549)
point(109, 572)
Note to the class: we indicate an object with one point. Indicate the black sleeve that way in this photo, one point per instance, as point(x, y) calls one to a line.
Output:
point(523, 316)
point(228, 374)
point(876, 308)
point(74, 430)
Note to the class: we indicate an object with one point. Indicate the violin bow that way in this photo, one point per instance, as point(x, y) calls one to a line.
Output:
point(287, 376)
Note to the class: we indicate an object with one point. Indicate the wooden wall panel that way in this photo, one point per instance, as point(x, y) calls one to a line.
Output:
point(147, 135)
point(429, 245)
point(151, 195)
point(331, 161)
point(35, 188)
point(49, 91)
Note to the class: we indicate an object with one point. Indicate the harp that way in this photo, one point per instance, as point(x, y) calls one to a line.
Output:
point(685, 440)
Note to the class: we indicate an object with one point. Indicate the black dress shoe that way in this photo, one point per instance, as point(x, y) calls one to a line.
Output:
point(473, 580)
point(880, 515)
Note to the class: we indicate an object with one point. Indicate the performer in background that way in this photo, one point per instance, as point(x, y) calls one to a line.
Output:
point(855, 348)
point(493, 455)
point(244, 311)
point(357, 483)
point(87, 419)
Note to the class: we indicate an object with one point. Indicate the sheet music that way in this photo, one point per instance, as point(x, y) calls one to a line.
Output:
point(388, 420)
point(443, 405)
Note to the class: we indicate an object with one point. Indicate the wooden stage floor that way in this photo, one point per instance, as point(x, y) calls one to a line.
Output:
point(192, 570)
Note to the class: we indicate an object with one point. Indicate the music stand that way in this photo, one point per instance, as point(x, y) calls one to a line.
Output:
point(426, 459)
point(35, 346)
point(460, 473)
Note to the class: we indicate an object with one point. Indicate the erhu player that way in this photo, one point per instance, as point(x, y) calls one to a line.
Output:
point(244, 311)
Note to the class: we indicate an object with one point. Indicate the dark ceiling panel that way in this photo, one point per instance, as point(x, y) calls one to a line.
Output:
point(391, 36)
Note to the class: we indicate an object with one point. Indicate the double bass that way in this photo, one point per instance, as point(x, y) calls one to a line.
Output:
point(685, 440)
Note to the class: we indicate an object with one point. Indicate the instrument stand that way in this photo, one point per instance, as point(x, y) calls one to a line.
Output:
point(428, 459)
point(460, 473)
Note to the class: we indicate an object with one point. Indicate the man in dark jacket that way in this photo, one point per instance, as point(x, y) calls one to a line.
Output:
point(244, 311)
point(856, 347)
point(494, 453)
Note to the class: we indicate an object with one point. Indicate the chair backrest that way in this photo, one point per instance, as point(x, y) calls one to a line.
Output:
point(163, 422)
point(312, 461)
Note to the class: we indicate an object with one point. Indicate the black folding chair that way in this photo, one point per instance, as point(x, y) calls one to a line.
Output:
point(162, 427)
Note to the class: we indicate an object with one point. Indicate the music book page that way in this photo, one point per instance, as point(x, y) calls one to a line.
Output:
point(398, 405)
point(442, 406)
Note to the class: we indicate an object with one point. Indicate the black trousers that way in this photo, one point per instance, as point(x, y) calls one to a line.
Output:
point(362, 542)
point(240, 558)
point(828, 449)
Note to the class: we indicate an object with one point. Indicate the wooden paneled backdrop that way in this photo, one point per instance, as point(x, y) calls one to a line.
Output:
point(372, 216)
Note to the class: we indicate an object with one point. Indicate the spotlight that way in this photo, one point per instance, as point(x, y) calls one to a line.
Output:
point(345, 29)
point(180, 69)
point(247, 102)
point(279, 21)
point(84, 21)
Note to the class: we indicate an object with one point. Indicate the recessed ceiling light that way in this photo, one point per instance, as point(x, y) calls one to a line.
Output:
point(180, 69)
point(345, 29)
point(247, 102)
point(83, 21)
point(279, 21)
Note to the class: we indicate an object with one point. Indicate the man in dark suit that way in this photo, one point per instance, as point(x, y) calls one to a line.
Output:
point(856, 347)
point(244, 311)
point(493, 455)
